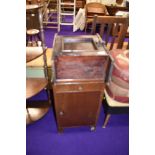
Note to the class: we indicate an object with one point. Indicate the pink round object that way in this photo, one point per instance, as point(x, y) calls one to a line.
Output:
point(121, 64)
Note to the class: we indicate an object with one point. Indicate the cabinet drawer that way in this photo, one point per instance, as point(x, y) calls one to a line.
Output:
point(78, 87)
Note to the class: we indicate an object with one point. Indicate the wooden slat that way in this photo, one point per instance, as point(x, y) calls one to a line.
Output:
point(102, 30)
point(114, 34)
point(108, 33)
point(34, 86)
point(119, 31)
point(94, 25)
point(112, 19)
point(115, 45)
point(122, 35)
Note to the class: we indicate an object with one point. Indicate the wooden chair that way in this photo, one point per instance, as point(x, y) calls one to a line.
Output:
point(113, 103)
point(92, 9)
point(37, 76)
point(113, 30)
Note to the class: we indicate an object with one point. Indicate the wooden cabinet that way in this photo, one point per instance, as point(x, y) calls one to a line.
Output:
point(78, 103)
point(80, 67)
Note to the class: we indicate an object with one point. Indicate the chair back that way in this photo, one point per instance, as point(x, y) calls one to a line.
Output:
point(112, 29)
point(95, 8)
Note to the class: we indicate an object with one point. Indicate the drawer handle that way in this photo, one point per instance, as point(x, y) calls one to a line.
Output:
point(80, 88)
point(61, 113)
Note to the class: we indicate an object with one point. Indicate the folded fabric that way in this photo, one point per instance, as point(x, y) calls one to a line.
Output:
point(79, 22)
point(120, 82)
point(118, 85)
point(121, 63)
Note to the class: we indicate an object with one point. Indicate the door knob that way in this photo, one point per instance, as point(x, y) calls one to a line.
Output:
point(80, 88)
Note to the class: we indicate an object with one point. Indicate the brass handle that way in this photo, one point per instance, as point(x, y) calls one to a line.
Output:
point(61, 113)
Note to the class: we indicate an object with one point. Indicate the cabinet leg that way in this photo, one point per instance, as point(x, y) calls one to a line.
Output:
point(60, 130)
point(107, 117)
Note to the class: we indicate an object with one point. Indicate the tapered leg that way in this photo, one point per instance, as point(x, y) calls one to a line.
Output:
point(60, 130)
point(107, 117)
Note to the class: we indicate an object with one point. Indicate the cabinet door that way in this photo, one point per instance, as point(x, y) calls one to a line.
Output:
point(76, 108)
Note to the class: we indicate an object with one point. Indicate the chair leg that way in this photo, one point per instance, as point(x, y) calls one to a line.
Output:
point(107, 117)
point(49, 94)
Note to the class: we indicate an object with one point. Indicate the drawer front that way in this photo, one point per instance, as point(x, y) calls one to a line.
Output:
point(78, 87)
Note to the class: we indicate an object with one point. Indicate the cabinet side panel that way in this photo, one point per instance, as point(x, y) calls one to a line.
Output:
point(80, 67)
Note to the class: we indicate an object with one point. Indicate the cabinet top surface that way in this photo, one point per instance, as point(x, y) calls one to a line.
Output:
point(79, 45)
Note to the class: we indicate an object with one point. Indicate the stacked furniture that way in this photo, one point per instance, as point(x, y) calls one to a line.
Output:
point(70, 5)
point(50, 14)
point(37, 78)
